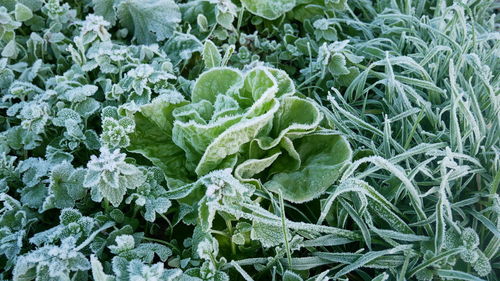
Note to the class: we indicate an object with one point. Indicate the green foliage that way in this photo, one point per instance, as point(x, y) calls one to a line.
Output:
point(269, 10)
point(252, 119)
point(249, 140)
point(109, 176)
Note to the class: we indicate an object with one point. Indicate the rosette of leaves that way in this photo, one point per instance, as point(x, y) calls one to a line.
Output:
point(75, 132)
point(253, 123)
point(72, 224)
point(115, 128)
point(109, 176)
point(132, 258)
point(142, 80)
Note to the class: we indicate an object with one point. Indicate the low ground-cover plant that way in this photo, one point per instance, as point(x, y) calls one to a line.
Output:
point(249, 140)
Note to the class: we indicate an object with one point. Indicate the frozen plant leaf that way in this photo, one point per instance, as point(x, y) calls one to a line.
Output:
point(124, 243)
point(87, 107)
point(10, 50)
point(208, 248)
point(225, 14)
point(267, 235)
point(140, 271)
point(470, 238)
point(22, 13)
point(109, 176)
point(152, 136)
point(323, 157)
point(33, 169)
point(127, 248)
point(482, 265)
point(151, 196)
point(98, 271)
point(182, 46)
point(211, 55)
point(66, 184)
point(337, 65)
point(149, 20)
point(291, 276)
point(81, 93)
point(106, 9)
point(270, 10)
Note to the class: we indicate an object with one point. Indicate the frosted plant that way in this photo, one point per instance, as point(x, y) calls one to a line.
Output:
point(251, 122)
point(34, 116)
point(51, 262)
point(66, 186)
point(95, 26)
point(109, 176)
point(300, 139)
point(141, 81)
point(115, 132)
point(151, 195)
point(72, 224)
point(14, 221)
point(208, 249)
point(141, 272)
point(61, 13)
point(109, 57)
point(126, 248)
point(135, 270)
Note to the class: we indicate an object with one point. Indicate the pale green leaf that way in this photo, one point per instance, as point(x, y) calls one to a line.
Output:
point(149, 20)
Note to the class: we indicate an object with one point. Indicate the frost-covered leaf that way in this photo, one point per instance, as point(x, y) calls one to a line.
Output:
point(270, 10)
point(182, 46)
point(66, 184)
point(149, 20)
point(322, 158)
point(291, 276)
point(153, 136)
point(22, 13)
point(267, 235)
point(211, 55)
point(98, 271)
point(81, 93)
point(106, 9)
point(151, 195)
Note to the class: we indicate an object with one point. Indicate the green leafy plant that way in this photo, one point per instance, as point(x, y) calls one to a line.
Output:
point(253, 123)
